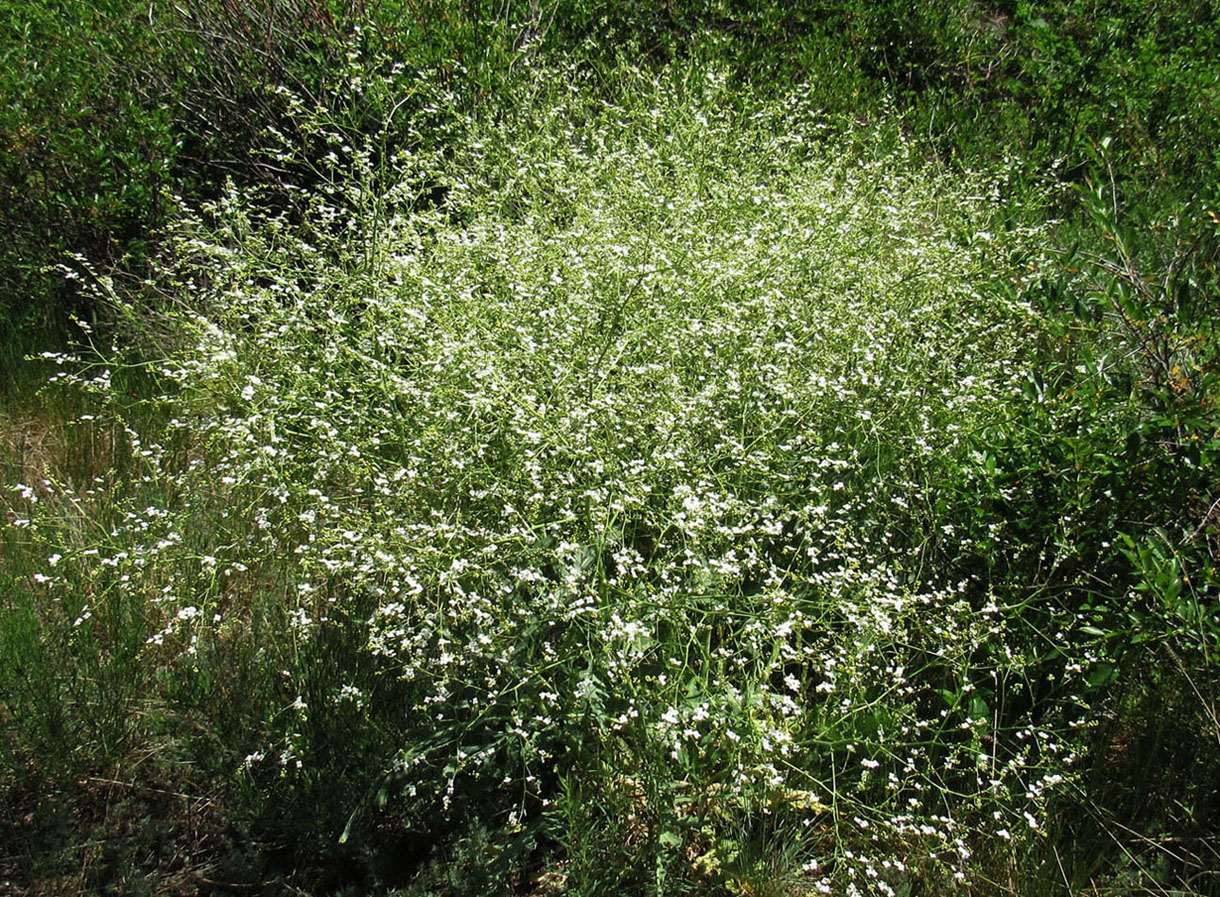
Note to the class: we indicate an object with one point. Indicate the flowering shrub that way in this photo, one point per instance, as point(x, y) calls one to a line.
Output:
point(585, 481)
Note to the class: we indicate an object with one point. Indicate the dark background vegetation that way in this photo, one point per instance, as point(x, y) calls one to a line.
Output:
point(109, 109)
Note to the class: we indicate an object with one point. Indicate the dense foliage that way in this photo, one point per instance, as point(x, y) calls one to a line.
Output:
point(601, 448)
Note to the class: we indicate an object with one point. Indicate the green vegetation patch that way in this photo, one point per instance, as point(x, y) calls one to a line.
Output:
point(567, 503)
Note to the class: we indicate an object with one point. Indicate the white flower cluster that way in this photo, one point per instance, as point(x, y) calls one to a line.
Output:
point(626, 450)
